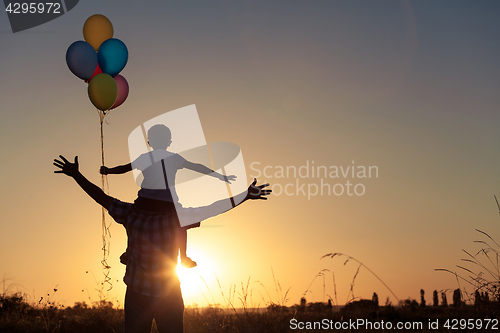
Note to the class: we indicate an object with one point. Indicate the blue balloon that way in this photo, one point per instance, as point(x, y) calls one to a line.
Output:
point(112, 56)
point(81, 59)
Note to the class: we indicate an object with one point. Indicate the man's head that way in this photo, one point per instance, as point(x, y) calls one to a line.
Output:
point(159, 137)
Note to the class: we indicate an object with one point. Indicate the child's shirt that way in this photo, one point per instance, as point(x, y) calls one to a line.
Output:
point(158, 182)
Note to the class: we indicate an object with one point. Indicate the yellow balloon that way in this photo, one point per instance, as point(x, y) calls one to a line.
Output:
point(97, 29)
point(103, 91)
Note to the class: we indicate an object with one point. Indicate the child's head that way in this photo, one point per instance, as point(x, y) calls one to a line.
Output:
point(159, 137)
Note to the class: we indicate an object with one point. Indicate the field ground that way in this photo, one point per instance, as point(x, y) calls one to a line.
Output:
point(16, 315)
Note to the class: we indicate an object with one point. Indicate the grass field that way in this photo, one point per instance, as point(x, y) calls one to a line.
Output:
point(16, 315)
point(475, 311)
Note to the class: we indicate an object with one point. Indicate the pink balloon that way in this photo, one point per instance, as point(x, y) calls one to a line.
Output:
point(122, 90)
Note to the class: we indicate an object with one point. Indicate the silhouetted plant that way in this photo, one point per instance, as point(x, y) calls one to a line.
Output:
point(444, 301)
point(477, 299)
point(375, 298)
point(485, 276)
point(422, 298)
point(329, 305)
point(457, 298)
point(486, 298)
point(303, 303)
point(349, 258)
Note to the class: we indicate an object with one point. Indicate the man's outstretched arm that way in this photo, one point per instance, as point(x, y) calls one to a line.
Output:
point(188, 216)
point(71, 169)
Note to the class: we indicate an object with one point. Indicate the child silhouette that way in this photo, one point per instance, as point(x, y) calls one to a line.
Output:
point(159, 167)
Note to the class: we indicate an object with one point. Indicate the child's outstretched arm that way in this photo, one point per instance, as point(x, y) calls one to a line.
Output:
point(207, 171)
point(116, 170)
point(71, 169)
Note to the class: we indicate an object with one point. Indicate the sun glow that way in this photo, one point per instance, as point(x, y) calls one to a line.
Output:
point(194, 281)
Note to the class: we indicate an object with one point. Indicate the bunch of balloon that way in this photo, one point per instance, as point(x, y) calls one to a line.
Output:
point(98, 61)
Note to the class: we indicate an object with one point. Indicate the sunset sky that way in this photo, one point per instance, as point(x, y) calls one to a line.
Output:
point(410, 88)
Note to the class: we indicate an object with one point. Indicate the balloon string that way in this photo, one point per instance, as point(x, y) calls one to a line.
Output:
point(105, 228)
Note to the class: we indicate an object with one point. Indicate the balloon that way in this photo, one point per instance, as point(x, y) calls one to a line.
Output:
point(97, 71)
point(81, 59)
point(103, 91)
point(112, 56)
point(96, 30)
point(122, 85)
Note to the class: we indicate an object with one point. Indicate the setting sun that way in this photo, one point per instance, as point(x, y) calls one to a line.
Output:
point(195, 281)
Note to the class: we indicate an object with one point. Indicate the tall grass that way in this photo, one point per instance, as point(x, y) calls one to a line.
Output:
point(483, 273)
point(350, 295)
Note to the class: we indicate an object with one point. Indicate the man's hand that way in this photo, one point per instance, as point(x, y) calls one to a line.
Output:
point(104, 170)
point(68, 168)
point(71, 169)
point(256, 192)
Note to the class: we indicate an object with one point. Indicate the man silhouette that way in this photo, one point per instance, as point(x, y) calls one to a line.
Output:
point(153, 287)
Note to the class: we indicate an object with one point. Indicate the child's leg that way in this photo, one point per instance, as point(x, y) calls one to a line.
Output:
point(182, 241)
point(182, 237)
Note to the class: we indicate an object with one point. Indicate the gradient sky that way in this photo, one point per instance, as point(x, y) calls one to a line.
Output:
point(409, 87)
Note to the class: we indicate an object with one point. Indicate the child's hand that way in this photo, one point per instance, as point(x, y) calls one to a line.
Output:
point(104, 170)
point(68, 168)
point(228, 179)
point(257, 192)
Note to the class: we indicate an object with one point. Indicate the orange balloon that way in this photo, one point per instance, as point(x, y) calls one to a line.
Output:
point(97, 29)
